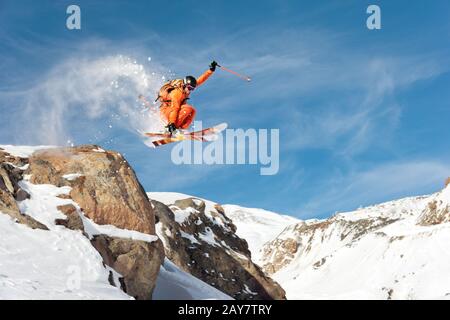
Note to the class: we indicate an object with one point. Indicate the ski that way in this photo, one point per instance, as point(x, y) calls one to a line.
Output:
point(199, 133)
point(208, 134)
point(168, 140)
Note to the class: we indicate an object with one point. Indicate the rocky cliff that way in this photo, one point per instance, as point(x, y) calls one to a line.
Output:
point(11, 172)
point(99, 197)
point(201, 239)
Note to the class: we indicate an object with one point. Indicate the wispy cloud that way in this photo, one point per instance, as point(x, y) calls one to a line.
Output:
point(381, 183)
point(346, 97)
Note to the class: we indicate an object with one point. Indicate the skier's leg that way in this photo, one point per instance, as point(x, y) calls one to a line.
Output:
point(164, 112)
point(185, 117)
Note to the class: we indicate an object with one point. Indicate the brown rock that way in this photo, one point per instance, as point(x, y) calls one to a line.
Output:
point(9, 206)
point(5, 182)
point(281, 252)
point(10, 191)
point(435, 213)
point(137, 261)
point(22, 195)
point(107, 190)
point(5, 157)
point(64, 196)
point(73, 220)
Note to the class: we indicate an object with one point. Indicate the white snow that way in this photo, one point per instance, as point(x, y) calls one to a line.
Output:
point(23, 151)
point(415, 267)
point(175, 284)
point(208, 237)
point(169, 198)
point(24, 167)
point(190, 237)
point(93, 229)
point(182, 215)
point(43, 202)
point(98, 150)
point(72, 176)
point(257, 226)
point(56, 264)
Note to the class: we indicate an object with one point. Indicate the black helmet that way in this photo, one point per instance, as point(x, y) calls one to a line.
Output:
point(190, 81)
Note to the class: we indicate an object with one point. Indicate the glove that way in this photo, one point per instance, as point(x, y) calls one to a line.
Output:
point(171, 128)
point(213, 66)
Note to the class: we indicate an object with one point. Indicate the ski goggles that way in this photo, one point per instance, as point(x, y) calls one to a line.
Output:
point(190, 88)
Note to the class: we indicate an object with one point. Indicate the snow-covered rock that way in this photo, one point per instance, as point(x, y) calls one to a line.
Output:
point(54, 245)
point(200, 239)
point(438, 208)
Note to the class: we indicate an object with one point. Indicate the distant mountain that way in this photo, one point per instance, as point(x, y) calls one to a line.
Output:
point(394, 250)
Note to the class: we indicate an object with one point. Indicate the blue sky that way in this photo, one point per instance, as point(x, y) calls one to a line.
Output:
point(363, 115)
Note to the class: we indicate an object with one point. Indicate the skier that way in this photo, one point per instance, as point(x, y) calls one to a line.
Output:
point(173, 96)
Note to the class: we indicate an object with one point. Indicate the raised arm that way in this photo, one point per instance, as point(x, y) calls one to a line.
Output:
point(204, 77)
point(207, 74)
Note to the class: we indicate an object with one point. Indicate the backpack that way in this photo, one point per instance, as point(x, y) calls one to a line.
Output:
point(167, 87)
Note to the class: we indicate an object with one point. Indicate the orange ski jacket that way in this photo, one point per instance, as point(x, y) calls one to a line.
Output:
point(178, 96)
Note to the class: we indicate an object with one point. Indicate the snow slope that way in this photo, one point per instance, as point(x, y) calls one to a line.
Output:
point(257, 226)
point(379, 252)
point(169, 197)
point(175, 284)
point(56, 264)
point(36, 264)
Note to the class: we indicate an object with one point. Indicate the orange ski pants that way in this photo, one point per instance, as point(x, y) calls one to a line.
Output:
point(185, 115)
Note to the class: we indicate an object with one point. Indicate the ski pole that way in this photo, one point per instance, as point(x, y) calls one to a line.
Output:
point(247, 78)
